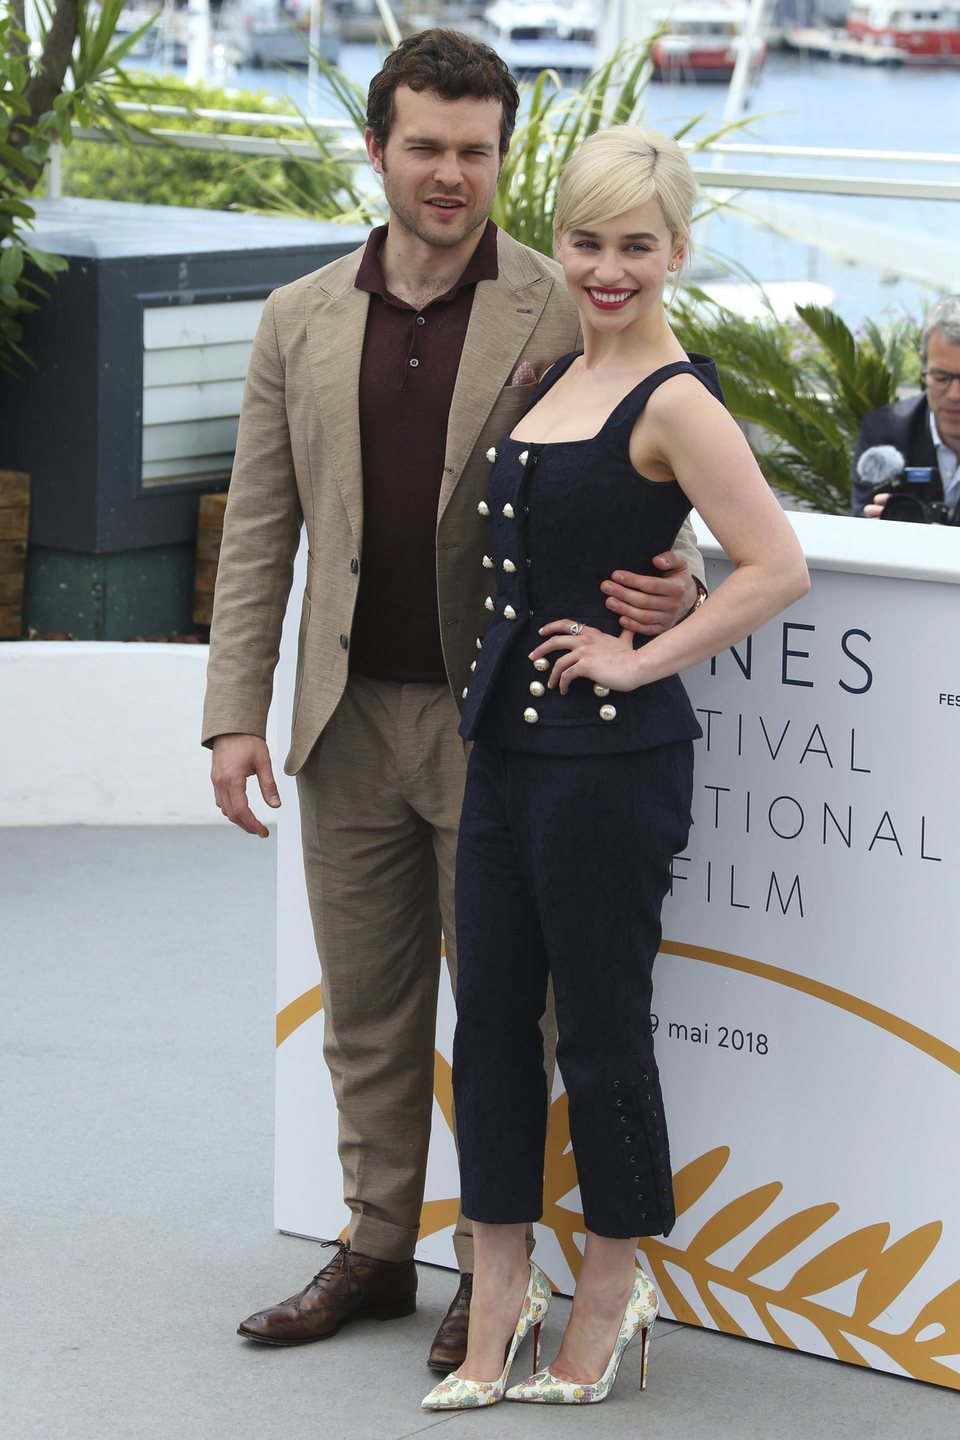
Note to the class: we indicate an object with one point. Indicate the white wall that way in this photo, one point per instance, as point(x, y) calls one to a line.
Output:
point(95, 733)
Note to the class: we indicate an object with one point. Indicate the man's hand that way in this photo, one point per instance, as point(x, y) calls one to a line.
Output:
point(874, 510)
point(650, 604)
point(235, 759)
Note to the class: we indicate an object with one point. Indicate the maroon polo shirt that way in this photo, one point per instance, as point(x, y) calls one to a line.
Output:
point(408, 371)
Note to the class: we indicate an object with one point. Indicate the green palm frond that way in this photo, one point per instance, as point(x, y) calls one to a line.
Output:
point(801, 388)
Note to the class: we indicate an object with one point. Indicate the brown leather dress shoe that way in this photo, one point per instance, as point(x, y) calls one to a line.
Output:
point(449, 1348)
point(350, 1285)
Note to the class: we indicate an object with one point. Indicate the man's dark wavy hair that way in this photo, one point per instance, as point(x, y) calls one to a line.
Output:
point(447, 64)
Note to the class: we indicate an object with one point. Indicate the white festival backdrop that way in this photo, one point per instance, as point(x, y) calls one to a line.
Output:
point(806, 1006)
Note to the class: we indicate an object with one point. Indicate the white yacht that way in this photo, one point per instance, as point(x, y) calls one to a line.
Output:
point(535, 35)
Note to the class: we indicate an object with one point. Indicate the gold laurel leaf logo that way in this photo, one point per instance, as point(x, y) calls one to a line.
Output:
point(885, 1269)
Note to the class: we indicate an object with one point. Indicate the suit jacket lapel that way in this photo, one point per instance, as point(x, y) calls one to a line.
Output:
point(503, 317)
point(336, 323)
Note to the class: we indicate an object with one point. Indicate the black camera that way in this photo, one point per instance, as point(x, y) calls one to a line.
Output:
point(916, 496)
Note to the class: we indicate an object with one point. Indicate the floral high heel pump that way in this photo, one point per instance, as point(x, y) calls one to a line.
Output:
point(545, 1389)
point(456, 1394)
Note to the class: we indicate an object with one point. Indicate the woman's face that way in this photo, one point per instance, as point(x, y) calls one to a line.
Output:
point(616, 269)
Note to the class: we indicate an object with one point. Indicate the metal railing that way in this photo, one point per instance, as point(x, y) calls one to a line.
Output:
point(348, 148)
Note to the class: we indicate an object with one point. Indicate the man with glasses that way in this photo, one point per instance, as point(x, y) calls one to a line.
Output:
point(926, 428)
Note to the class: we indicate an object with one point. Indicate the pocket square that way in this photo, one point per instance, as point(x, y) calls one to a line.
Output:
point(524, 374)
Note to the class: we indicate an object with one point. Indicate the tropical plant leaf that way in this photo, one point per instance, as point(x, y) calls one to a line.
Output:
point(804, 386)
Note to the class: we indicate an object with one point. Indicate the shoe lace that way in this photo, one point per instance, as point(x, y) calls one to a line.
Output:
point(339, 1261)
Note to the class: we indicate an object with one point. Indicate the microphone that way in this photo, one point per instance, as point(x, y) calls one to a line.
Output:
point(879, 465)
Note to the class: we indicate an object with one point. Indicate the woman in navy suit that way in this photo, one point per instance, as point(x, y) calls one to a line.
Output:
point(579, 783)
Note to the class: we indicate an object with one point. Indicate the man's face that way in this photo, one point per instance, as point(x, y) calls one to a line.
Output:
point(440, 165)
point(944, 358)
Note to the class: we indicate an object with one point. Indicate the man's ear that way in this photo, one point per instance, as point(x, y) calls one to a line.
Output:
point(374, 151)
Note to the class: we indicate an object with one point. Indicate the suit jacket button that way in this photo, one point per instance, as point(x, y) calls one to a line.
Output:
point(530, 715)
point(483, 508)
point(509, 613)
point(508, 511)
point(601, 691)
point(344, 642)
point(509, 567)
point(488, 562)
point(488, 603)
point(537, 688)
point(542, 664)
point(524, 456)
point(354, 565)
point(608, 712)
point(491, 454)
point(464, 693)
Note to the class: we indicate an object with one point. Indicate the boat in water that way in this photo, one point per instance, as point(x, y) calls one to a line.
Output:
point(535, 35)
point(926, 33)
point(275, 32)
point(701, 41)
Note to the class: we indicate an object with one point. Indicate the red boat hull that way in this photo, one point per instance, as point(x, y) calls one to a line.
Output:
point(928, 46)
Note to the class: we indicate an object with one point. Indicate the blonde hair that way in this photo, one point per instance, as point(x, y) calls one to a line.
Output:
point(617, 169)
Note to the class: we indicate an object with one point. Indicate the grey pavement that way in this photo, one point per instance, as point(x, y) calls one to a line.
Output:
point(136, 1193)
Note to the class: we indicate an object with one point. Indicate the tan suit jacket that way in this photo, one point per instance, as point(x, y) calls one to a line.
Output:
point(299, 459)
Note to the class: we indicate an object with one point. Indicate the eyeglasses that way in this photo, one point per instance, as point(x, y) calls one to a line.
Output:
point(938, 382)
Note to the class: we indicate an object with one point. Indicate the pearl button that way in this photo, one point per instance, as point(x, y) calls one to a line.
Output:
point(488, 562)
point(464, 694)
point(598, 690)
point(483, 508)
point(608, 712)
point(524, 456)
point(479, 643)
point(537, 688)
point(488, 603)
point(542, 664)
point(491, 454)
point(509, 567)
point(508, 511)
point(530, 715)
point(509, 613)
point(473, 666)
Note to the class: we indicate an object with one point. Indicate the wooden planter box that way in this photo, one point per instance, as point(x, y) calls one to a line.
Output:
point(14, 520)
point(209, 535)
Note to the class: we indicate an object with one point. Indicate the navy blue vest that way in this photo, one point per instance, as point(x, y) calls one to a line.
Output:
point(563, 517)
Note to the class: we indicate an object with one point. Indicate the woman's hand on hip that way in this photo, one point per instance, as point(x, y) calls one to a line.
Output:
point(589, 654)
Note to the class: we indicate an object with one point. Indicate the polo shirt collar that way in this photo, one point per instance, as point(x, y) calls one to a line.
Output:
point(482, 265)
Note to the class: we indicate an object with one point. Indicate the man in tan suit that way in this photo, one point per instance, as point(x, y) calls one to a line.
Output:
point(376, 387)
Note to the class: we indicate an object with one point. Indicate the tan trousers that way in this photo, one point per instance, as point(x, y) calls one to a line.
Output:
point(380, 803)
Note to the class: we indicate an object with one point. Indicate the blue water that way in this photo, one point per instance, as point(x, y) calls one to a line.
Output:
point(796, 101)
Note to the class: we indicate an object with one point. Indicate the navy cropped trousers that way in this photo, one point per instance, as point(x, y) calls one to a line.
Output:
point(563, 863)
